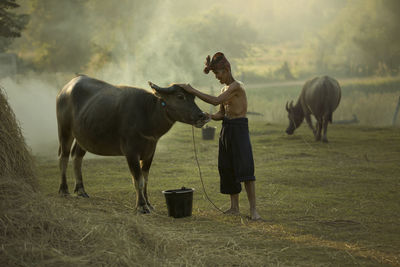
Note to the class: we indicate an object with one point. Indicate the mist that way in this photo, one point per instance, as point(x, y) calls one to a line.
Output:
point(33, 102)
point(133, 42)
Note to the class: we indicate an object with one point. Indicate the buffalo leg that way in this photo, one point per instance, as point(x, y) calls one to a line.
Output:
point(325, 126)
point(138, 181)
point(77, 155)
point(145, 170)
point(318, 130)
point(64, 149)
point(309, 122)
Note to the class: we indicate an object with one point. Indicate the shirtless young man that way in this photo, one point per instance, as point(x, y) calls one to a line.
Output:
point(235, 157)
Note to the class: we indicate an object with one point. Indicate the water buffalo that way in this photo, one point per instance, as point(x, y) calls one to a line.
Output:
point(109, 120)
point(320, 96)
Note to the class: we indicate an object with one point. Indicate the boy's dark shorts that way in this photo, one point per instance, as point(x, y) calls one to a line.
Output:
point(235, 158)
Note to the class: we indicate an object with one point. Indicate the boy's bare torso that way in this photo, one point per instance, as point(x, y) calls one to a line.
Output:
point(236, 105)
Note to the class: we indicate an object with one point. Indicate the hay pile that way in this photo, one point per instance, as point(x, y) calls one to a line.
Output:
point(15, 161)
point(16, 165)
point(17, 180)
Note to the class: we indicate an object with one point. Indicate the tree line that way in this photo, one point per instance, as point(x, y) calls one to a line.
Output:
point(357, 38)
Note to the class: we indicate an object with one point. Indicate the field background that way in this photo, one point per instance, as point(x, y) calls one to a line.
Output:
point(325, 204)
point(332, 204)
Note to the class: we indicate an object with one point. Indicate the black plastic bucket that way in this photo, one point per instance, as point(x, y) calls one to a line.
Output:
point(179, 202)
point(208, 132)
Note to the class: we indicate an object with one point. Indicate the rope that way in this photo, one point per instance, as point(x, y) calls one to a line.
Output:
point(201, 176)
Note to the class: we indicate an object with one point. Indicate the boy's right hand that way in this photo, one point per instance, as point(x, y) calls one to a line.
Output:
point(209, 117)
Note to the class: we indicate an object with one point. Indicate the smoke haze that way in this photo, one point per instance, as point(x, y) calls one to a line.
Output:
point(131, 42)
point(33, 102)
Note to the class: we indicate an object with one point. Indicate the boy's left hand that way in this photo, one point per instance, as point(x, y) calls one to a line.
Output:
point(188, 88)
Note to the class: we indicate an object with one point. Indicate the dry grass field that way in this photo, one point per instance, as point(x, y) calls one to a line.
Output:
point(325, 204)
point(334, 204)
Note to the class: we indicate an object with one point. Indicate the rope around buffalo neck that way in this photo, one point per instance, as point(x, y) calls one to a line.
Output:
point(201, 177)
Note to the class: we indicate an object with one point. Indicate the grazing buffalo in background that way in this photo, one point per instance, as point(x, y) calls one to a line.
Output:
point(118, 121)
point(320, 97)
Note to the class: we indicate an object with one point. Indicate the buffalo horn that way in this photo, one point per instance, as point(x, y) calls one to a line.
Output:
point(165, 90)
point(287, 109)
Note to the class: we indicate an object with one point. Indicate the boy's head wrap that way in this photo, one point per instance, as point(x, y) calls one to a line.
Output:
point(218, 62)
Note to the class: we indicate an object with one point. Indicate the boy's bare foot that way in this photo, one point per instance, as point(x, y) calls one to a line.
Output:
point(232, 211)
point(255, 216)
point(258, 219)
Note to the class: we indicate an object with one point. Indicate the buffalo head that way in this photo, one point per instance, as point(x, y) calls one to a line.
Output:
point(180, 105)
point(295, 116)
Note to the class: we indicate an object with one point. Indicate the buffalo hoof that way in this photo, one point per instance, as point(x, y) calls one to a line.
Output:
point(82, 194)
point(80, 191)
point(143, 209)
point(325, 140)
point(63, 190)
point(63, 194)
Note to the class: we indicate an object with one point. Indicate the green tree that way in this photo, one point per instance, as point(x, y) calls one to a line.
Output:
point(362, 40)
point(56, 38)
point(11, 24)
point(135, 39)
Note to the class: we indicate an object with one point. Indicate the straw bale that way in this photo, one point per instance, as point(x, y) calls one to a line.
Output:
point(16, 162)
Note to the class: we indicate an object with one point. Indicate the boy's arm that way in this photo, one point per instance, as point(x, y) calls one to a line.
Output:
point(214, 100)
point(219, 115)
